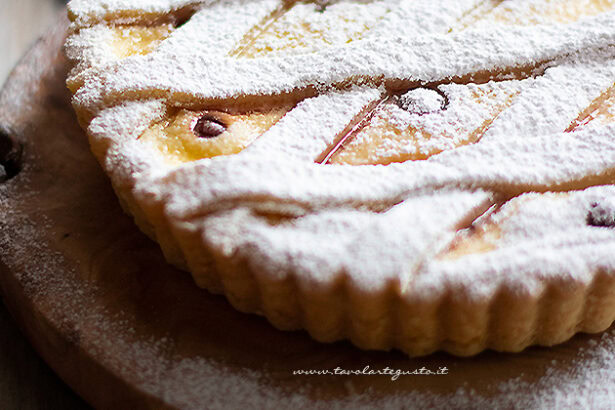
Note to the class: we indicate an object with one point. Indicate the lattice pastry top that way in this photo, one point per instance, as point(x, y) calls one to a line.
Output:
point(403, 173)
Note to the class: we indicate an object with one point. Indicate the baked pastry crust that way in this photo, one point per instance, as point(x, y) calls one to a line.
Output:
point(491, 225)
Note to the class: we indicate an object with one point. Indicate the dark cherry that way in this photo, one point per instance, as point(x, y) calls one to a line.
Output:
point(601, 216)
point(423, 100)
point(208, 126)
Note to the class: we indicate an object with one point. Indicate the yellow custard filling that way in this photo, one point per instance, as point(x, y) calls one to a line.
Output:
point(475, 241)
point(548, 11)
point(601, 111)
point(132, 40)
point(496, 229)
point(176, 138)
point(301, 26)
point(306, 27)
point(384, 141)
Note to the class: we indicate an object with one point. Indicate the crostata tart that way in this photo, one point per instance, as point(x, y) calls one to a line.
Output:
point(411, 174)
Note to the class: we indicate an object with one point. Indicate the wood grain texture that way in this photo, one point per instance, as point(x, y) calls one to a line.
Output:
point(26, 382)
point(124, 329)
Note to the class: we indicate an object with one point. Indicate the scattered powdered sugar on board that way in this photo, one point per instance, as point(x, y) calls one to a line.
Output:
point(568, 383)
point(571, 381)
point(571, 387)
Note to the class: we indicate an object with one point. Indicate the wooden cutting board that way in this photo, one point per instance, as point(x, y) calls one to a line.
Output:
point(123, 328)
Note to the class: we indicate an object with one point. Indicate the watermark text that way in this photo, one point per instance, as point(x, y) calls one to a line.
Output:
point(394, 374)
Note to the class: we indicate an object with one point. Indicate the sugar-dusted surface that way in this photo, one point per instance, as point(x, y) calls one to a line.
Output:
point(423, 122)
point(85, 12)
point(351, 252)
point(94, 310)
point(428, 58)
point(335, 111)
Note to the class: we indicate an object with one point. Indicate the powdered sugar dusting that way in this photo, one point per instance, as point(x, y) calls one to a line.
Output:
point(332, 112)
point(386, 223)
point(427, 58)
point(578, 374)
point(87, 12)
point(568, 87)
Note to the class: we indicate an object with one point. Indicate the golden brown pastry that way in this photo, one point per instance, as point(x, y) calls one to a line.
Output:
point(406, 174)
